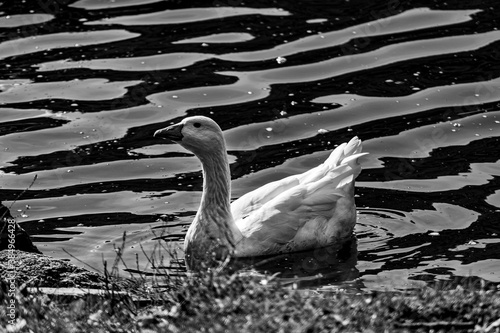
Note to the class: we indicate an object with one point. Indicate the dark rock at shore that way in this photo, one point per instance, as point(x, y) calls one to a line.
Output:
point(23, 264)
point(38, 270)
point(11, 230)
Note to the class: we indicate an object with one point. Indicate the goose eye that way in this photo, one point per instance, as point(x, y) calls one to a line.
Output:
point(197, 125)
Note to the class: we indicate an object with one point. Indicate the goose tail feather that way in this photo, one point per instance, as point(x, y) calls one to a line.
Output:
point(347, 154)
point(344, 151)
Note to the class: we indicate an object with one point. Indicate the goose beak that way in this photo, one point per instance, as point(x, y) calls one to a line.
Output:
point(173, 132)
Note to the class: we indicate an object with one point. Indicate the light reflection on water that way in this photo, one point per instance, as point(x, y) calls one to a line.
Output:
point(86, 85)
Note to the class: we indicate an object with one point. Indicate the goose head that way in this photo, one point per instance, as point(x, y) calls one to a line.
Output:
point(198, 134)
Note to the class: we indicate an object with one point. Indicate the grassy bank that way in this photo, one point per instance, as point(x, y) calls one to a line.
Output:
point(234, 303)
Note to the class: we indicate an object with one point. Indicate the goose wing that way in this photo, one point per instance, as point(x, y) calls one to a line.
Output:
point(274, 213)
point(346, 153)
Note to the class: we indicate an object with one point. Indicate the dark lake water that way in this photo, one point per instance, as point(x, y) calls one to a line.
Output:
point(84, 84)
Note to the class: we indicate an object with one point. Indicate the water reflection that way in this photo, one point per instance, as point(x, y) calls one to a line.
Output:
point(331, 265)
point(85, 86)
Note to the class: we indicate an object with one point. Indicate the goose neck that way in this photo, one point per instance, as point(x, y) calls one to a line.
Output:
point(216, 183)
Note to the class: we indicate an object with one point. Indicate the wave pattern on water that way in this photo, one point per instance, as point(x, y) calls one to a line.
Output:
point(85, 85)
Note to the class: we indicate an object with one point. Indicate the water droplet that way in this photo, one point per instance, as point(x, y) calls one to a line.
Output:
point(281, 60)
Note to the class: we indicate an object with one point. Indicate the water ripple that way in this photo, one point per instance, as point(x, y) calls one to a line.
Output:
point(85, 86)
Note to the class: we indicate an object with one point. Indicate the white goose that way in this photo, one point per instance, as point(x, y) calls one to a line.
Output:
point(300, 212)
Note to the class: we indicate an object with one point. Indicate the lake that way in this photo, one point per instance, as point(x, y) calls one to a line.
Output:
point(86, 83)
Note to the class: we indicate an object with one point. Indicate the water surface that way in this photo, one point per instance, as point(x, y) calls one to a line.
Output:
point(86, 83)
